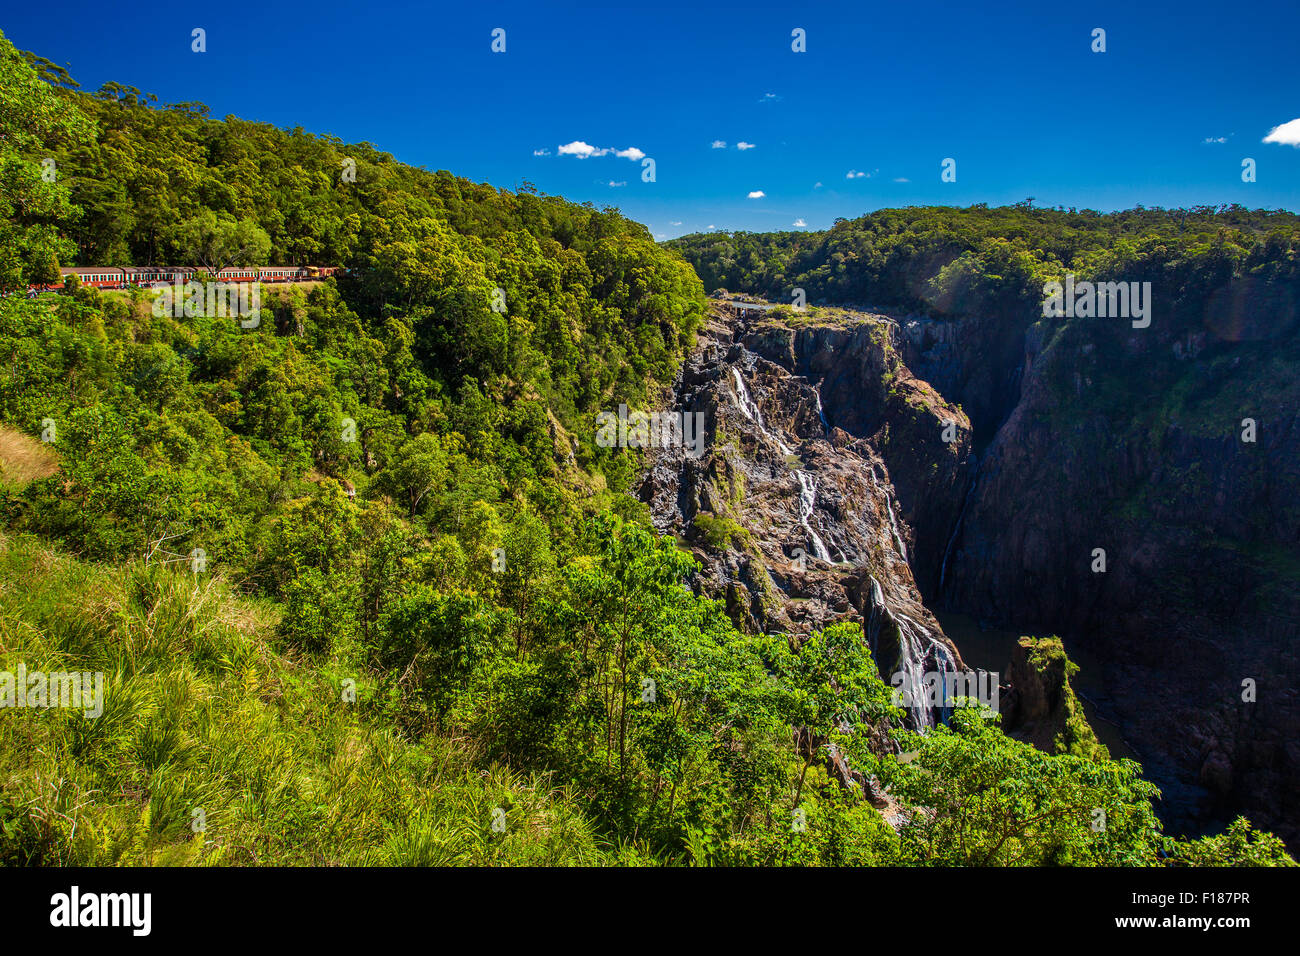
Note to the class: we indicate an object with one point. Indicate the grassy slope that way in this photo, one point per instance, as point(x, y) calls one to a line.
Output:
point(201, 710)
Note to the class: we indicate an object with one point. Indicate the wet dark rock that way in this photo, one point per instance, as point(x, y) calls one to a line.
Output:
point(799, 525)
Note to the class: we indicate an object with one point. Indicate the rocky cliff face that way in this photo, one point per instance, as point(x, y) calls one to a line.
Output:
point(869, 391)
point(1120, 505)
point(1041, 707)
point(793, 508)
point(977, 362)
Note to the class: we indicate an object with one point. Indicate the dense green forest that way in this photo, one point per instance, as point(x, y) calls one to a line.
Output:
point(945, 261)
point(486, 655)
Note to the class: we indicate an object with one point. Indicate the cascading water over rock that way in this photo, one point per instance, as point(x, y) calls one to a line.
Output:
point(803, 492)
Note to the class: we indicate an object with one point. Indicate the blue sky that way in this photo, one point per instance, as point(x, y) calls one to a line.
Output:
point(885, 92)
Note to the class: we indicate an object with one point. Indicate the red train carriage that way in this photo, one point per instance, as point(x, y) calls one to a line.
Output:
point(281, 273)
point(125, 277)
point(100, 277)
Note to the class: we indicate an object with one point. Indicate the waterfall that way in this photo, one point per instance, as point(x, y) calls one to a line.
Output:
point(907, 644)
point(748, 407)
point(919, 653)
point(807, 486)
point(945, 664)
point(914, 642)
point(874, 618)
point(893, 529)
point(807, 502)
point(889, 510)
point(956, 529)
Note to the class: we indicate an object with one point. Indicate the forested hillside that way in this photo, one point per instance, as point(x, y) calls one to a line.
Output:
point(947, 261)
point(486, 655)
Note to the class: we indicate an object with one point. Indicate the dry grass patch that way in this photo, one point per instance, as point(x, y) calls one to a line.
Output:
point(23, 458)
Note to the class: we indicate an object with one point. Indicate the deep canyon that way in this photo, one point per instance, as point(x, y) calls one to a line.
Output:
point(887, 467)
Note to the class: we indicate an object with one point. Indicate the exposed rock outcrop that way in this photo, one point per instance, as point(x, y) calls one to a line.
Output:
point(867, 390)
point(795, 519)
point(1039, 706)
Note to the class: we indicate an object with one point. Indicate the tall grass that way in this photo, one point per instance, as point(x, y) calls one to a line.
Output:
point(203, 712)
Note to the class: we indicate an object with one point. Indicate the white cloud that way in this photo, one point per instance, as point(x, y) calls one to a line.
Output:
point(677, 223)
point(616, 185)
point(854, 174)
point(1215, 139)
point(542, 152)
point(902, 179)
point(713, 227)
point(586, 151)
point(580, 149)
point(817, 185)
point(1288, 134)
point(756, 194)
point(769, 98)
point(719, 144)
point(800, 224)
point(744, 146)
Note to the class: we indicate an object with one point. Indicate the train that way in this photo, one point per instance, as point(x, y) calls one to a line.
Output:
point(148, 277)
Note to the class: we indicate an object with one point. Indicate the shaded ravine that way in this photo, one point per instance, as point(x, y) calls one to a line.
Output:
point(955, 536)
point(1083, 446)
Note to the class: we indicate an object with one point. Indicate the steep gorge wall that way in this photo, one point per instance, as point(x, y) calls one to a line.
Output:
point(794, 511)
point(1130, 441)
point(869, 390)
